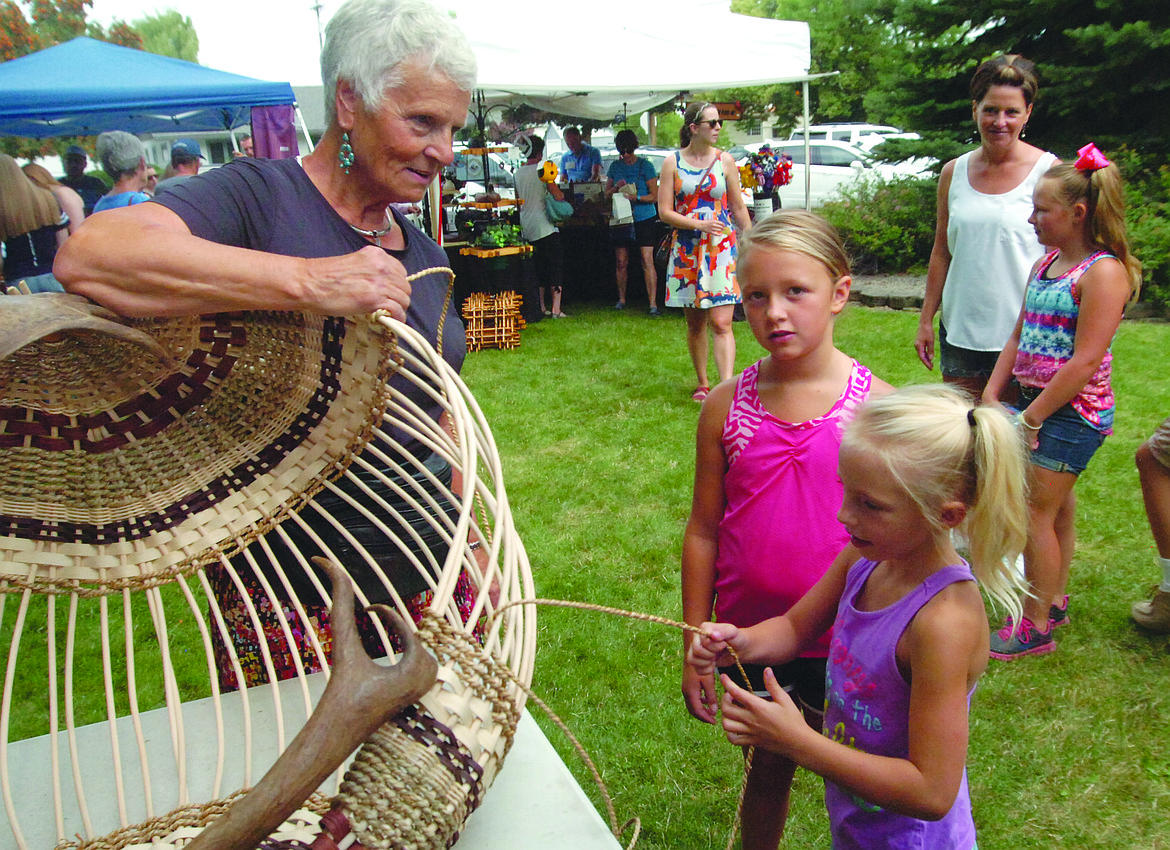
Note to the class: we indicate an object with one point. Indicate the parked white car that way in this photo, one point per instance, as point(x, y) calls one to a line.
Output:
point(919, 166)
point(850, 133)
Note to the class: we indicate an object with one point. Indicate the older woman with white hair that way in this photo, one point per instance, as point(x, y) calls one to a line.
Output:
point(123, 158)
point(318, 234)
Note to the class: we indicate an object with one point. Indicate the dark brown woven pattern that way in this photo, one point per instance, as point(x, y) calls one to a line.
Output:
point(419, 777)
point(102, 446)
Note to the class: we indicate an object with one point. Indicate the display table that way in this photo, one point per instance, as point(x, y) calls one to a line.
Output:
point(495, 270)
point(534, 803)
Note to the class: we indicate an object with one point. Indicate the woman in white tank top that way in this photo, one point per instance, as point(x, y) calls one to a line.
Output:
point(983, 244)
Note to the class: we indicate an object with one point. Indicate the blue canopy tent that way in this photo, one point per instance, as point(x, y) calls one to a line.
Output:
point(84, 87)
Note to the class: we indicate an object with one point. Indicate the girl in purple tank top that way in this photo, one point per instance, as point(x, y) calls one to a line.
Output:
point(763, 527)
point(910, 634)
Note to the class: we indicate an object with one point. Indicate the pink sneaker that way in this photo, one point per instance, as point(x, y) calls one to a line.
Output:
point(1011, 642)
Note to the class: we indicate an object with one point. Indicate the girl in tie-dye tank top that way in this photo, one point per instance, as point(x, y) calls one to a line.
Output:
point(1059, 358)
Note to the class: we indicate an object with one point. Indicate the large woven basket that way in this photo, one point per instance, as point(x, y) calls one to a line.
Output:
point(126, 481)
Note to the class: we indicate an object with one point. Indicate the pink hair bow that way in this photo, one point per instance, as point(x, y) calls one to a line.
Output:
point(1090, 159)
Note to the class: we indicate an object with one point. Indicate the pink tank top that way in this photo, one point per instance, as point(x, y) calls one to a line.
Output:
point(779, 531)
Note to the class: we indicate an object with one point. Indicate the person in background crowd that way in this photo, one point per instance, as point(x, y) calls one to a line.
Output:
point(151, 179)
point(32, 228)
point(1153, 464)
point(123, 158)
point(68, 199)
point(247, 148)
point(90, 188)
point(537, 229)
point(186, 157)
point(581, 162)
point(983, 244)
point(631, 173)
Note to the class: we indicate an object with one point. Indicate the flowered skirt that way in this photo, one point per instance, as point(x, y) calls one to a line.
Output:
point(248, 646)
point(352, 512)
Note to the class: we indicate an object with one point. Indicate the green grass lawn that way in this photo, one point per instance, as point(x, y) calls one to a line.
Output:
point(594, 420)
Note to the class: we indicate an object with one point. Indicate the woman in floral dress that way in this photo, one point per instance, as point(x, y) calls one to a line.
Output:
point(699, 196)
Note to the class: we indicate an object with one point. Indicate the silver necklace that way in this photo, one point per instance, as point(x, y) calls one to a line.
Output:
point(376, 235)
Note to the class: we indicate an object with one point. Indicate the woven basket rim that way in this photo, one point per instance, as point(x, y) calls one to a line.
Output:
point(243, 430)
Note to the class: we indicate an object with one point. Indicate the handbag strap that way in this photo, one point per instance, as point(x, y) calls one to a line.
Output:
point(694, 199)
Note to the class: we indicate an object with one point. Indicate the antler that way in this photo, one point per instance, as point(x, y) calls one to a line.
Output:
point(26, 318)
point(360, 697)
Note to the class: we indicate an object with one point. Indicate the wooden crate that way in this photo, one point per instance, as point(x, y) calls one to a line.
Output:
point(492, 321)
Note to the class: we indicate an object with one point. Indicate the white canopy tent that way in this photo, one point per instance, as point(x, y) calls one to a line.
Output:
point(627, 59)
point(631, 61)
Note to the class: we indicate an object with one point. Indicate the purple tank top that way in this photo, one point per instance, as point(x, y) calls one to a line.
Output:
point(867, 707)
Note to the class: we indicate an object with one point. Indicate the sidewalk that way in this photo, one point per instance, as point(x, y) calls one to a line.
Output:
point(905, 291)
point(896, 291)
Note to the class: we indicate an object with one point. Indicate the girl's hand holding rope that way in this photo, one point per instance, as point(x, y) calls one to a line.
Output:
point(750, 721)
point(712, 647)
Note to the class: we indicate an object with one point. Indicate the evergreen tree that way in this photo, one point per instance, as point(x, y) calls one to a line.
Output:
point(1101, 65)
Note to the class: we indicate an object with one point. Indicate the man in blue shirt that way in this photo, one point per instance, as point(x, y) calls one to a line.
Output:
point(581, 162)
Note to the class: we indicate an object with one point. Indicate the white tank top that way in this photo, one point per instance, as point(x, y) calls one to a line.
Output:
point(992, 250)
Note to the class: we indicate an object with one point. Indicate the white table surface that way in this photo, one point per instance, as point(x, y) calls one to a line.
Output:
point(534, 802)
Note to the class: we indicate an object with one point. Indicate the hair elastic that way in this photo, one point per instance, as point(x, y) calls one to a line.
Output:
point(971, 416)
point(1090, 159)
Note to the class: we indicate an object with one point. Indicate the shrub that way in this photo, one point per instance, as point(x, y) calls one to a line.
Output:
point(887, 225)
point(1147, 214)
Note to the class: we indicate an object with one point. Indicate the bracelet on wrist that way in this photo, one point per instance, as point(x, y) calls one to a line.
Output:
point(1024, 423)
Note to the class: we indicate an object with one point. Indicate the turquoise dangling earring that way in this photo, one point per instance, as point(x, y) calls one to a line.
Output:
point(345, 157)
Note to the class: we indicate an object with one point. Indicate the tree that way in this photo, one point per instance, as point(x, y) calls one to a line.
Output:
point(53, 22)
point(169, 34)
point(1101, 64)
point(848, 37)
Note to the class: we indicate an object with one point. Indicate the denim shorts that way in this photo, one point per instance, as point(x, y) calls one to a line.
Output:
point(1067, 441)
point(955, 362)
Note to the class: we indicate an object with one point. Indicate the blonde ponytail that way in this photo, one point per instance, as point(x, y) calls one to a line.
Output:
point(939, 448)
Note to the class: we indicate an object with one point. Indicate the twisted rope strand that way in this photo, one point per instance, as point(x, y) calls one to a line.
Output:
point(633, 615)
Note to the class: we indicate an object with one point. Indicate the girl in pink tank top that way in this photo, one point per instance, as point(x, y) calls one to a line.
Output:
point(763, 526)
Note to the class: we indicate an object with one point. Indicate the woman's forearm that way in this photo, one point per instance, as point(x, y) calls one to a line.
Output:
point(142, 261)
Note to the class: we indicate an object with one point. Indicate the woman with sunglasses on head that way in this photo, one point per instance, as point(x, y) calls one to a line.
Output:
point(699, 196)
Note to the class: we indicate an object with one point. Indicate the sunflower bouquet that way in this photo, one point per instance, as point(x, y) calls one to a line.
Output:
point(765, 171)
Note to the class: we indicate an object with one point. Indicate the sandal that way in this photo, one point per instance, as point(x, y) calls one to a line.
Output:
point(700, 393)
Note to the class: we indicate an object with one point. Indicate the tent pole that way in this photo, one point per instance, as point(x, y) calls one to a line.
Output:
point(807, 151)
point(304, 126)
